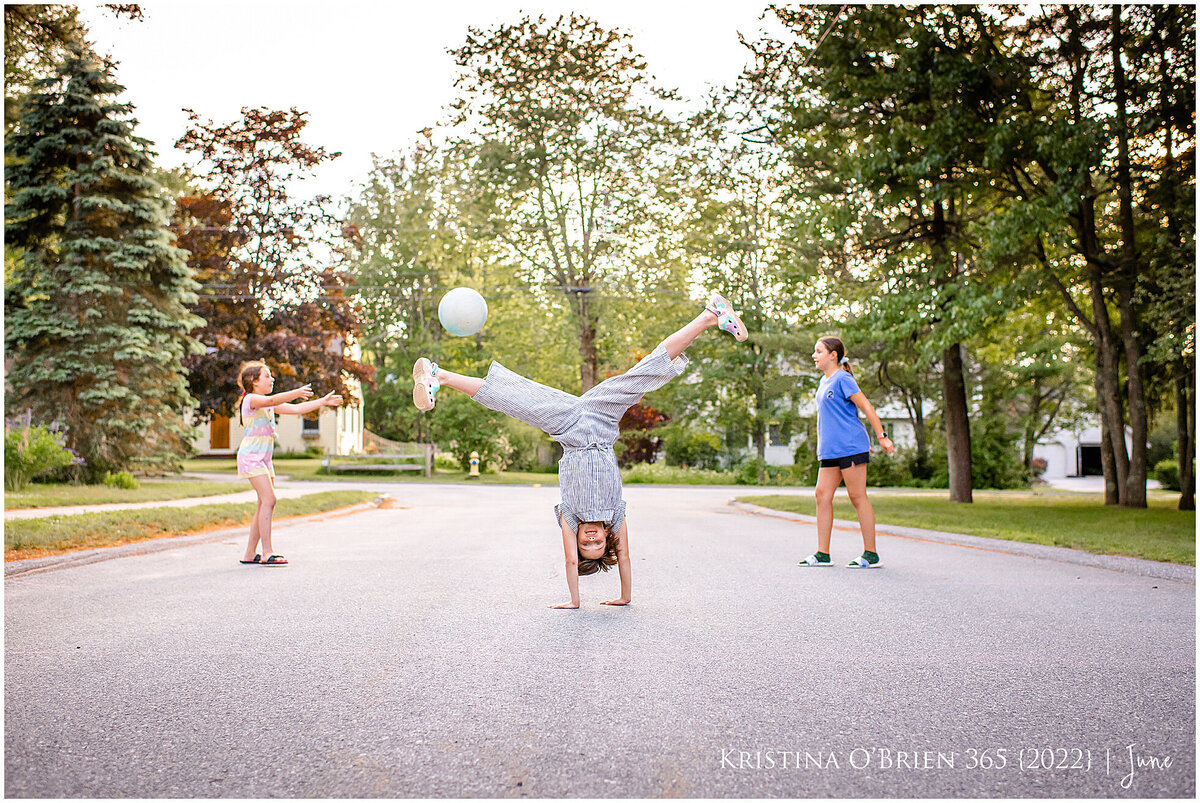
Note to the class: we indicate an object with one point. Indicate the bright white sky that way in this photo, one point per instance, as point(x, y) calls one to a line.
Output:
point(370, 74)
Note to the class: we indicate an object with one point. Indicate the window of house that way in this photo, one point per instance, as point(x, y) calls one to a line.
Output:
point(775, 433)
point(310, 427)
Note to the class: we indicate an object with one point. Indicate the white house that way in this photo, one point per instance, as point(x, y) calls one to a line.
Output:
point(1068, 452)
point(1074, 452)
point(894, 418)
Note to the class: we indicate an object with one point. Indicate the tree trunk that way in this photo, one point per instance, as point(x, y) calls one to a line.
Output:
point(1108, 389)
point(958, 424)
point(1114, 457)
point(761, 416)
point(1112, 490)
point(1185, 418)
point(1135, 480)
point(589, 363)
point(760, 446)
point(919, 433)
point(1031, 426)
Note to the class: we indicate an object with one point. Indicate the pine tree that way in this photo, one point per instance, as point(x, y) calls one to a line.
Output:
point(97, 323)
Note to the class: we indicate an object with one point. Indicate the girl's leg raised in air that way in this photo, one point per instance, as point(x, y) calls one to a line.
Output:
point(469, 385)
point(856, 488)
point(677, 343)
point(544, 407)
point(828, 480)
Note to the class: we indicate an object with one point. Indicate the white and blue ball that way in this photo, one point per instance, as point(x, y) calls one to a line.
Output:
point(462, 311)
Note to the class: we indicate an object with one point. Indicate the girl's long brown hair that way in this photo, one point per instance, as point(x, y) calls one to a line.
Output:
point(248, 374)
point(835, 345)
point(609, 558)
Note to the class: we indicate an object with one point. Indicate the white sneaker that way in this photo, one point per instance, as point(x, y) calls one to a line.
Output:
point(425, 377)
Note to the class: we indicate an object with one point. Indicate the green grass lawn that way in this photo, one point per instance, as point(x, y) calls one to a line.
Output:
point(302, 469)
point(29, 538)
point(62, 494)
point(1054, 518)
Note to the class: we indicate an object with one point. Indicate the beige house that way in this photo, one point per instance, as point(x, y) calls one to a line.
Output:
point(338, 430)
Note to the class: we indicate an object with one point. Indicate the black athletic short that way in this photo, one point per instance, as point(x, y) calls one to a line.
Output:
point(846, 462)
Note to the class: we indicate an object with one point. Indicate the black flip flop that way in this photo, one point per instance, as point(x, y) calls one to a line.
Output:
point(257, 559)
point(275, 560)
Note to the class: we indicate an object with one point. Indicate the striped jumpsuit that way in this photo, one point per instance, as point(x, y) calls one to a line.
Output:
point(589, 479)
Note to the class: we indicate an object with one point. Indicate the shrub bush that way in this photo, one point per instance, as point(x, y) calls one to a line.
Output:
point(892, 470)
point(1167, 473)
point(995, 459)
point(122, 479)
point(447, 462)
point(30, 451)
point(677, 475)
point(518, 446)
point(696, 449)
point(747, 474)
point(309, 453)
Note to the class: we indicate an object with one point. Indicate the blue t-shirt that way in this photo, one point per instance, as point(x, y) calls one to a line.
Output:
point(839, 432)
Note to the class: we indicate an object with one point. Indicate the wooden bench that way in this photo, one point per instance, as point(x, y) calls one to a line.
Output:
point(406, 461)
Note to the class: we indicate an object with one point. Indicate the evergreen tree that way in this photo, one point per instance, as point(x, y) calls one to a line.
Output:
point(97, 323)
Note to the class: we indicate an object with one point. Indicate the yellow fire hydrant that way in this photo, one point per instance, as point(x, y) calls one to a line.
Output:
point(474, 465)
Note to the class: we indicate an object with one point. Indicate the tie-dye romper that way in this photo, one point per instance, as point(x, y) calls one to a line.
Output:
point(254, 455)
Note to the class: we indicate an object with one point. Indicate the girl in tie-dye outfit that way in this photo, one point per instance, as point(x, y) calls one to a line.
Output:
point(258, 444)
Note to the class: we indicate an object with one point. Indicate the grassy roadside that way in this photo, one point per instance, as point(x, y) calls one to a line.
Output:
point(62, 494)
point(1076, 521)
point(302, 469)
point(35, 538)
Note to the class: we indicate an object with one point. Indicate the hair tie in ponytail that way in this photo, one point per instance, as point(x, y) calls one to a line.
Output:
point(843, 360)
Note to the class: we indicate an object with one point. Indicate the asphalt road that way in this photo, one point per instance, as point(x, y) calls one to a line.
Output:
point(410, 652)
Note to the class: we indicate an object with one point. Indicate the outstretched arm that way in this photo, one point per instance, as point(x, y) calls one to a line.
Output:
point(860, 401)
point(277, 399)
point(330, 399)
point(571, 555)
point(623, 566)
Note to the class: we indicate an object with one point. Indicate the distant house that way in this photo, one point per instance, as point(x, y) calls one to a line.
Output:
point(1071, 452)
point(338, 430)
point(1074, 452)
point(894, 418)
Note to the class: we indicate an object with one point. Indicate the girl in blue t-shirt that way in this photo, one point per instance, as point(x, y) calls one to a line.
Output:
point(843, 449)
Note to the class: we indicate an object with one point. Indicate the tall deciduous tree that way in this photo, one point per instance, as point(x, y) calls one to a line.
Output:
point(736, 209)
point(567, 131)
point(96, 318)
point(1088, 187)
point(271, 288)
point(881, 127)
